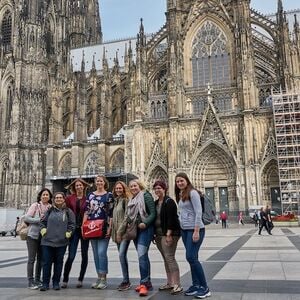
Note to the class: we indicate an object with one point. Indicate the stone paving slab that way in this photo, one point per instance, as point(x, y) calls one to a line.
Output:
point(238, 264)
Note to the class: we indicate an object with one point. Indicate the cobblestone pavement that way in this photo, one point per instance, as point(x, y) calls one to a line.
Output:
point(239, 264)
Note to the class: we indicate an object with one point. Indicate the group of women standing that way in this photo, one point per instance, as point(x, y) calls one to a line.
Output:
point(162, 221)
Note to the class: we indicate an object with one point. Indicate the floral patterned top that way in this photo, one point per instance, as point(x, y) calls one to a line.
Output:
point(99, 207)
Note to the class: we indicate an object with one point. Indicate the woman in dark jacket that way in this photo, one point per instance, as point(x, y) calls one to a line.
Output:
point(167, 233)
point(77, 203)
point(56, 229)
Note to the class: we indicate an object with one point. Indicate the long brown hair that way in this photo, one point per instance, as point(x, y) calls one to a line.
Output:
point(71, 186)
point(184, 194)
point(126, 193)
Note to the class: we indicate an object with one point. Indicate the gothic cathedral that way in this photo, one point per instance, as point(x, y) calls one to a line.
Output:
point(196, 96)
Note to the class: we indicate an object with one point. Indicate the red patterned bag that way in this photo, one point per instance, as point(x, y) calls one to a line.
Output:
point(94, 229)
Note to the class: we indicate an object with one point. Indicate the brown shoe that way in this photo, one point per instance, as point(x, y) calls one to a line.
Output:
point(79, 284)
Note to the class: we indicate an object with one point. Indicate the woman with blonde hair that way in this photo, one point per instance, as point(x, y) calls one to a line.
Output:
point(77, 202)
point(121, 195)
point(99, 206)
point(141, 208)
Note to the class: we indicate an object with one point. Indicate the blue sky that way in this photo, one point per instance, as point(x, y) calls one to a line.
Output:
point(120, 18)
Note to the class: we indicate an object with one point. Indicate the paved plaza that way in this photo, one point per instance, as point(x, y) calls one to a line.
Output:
point(239, 264)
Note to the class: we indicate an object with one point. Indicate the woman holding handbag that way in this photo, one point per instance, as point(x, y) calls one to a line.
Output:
point(33, 217)
point(99, 207)
point(142, 207)
point(77, 202)
point(167, 233)
point(121, 195)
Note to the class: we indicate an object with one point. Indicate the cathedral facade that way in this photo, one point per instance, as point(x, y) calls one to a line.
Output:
point(196, 96)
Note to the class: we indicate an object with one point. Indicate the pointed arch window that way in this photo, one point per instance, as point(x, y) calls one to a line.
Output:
point(9, 103)
point(3, 179)
point(91, 164)
point(92, 115)
point(66, 165)
point(210, 56)
point(117, 162)
point(6, 30)
point(68, 117)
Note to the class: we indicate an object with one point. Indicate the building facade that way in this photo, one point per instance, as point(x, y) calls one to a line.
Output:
point(193, 97)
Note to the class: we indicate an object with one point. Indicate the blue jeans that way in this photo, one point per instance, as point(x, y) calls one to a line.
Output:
point(53, 255)
point(123, 248)
point(100, 255)
point(142, 244)
point(192, 249)
point(72, 253)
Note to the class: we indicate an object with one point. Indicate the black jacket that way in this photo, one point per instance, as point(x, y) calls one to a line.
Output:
point(169, 217)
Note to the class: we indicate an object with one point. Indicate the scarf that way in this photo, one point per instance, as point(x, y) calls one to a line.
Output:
point(136, 206)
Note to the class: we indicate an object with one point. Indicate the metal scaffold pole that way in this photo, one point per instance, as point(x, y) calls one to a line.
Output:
point(286, 109)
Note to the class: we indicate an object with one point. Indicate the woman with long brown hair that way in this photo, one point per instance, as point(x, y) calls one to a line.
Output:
point(76, 202)
point(121, 195)
point(34, 215)
point(192, 232)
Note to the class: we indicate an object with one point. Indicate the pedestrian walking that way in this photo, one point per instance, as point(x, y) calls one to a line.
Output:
point(192, 232)
point(34, 215)
point(223, 217)
point(77, 203)
point(263, 221)
point(241, 218)
point(167, 233)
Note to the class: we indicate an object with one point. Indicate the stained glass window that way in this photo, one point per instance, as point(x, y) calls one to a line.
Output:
point(6, 30)
point(210, 57)
point(9, 103)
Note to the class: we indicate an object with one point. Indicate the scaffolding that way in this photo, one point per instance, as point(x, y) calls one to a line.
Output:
point(286, 111)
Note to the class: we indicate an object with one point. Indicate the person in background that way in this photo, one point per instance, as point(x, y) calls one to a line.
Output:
point(192, 232)
point(76, 202)
point(255, 218)
point(263, 221)
point(16, 226)
point(223, 217)
point(167, 234)
point(121, 195)
point(241, 218)
point(99, 206)
point(269, 218)
point(33, 217)
point(142, 205)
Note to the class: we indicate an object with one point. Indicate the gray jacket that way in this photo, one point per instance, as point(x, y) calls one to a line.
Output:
point(57, 222)
point(190, 212)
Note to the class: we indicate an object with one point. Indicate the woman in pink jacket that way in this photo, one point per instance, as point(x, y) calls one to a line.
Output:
point(33, 217)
